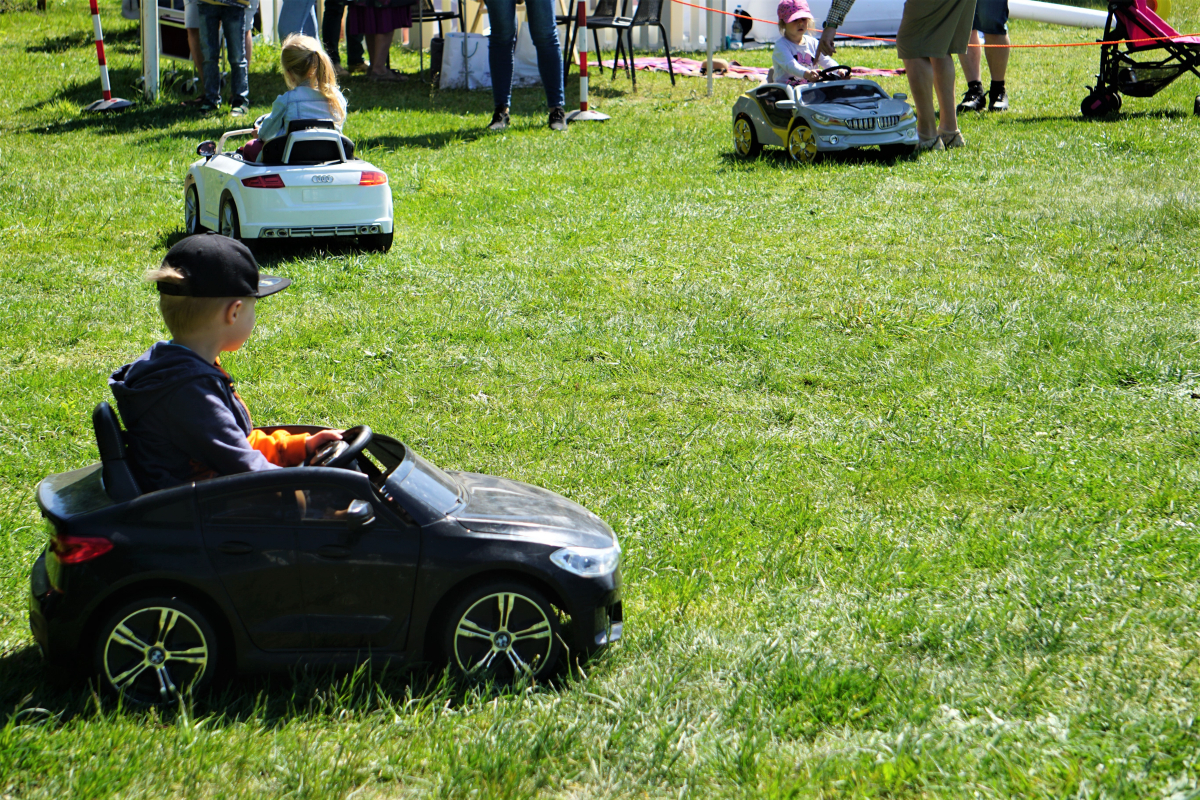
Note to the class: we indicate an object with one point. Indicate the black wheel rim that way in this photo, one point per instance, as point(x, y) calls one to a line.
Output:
point(155, 654)
point(504, 635)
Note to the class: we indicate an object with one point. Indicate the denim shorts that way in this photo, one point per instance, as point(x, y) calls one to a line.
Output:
point(991, 16)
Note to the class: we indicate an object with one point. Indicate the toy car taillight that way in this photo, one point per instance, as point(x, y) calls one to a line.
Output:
point(78, 549)
point(370, 178)
point(271, 181)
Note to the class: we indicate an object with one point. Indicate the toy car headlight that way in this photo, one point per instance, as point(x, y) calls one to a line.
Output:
point(588, 562)
point(824, 120)
point(912, 112)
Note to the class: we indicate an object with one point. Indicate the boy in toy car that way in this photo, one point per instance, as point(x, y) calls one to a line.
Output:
point(184, 419)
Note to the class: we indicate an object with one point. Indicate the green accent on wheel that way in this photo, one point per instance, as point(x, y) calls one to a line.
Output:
point(503, 632)
point(155, 654)
point(802, 144)
point(745, 141)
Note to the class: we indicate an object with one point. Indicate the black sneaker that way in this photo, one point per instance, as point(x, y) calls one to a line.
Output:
point(558, 119)
point(973, 100)
point(499, 119)
point(998, 100)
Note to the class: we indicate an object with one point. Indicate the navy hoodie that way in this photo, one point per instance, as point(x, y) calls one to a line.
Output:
point(183, 419)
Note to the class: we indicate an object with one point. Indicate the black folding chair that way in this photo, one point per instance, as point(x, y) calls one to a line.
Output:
point(647, 13)
point(604, 15)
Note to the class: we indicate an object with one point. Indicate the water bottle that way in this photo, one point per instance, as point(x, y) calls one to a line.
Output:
point(737, 29)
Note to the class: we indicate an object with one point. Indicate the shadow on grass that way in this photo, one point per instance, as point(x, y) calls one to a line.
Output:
point(33, 693)
point(113, 40)
point(1160, 114)
point(281, 251)
point(777, 158)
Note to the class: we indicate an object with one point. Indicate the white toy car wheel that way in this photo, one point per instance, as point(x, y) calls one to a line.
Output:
point(191, 212)
point(802, 144)
point(745, 138)
point(228, 219)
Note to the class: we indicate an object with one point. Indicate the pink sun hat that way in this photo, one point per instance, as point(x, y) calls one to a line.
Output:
point(791, 10)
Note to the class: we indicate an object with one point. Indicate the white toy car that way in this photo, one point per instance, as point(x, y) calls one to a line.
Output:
point(305, 184)
point(837, 112)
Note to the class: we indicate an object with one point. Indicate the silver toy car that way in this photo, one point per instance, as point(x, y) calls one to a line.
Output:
point(836, 112)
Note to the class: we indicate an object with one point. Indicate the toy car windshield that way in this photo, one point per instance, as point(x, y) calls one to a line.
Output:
point(852, 94)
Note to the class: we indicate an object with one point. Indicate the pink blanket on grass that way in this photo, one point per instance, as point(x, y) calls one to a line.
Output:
point(695, 69)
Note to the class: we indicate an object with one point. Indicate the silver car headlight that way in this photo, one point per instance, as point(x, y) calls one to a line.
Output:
point(824, 120)
point(588, 562)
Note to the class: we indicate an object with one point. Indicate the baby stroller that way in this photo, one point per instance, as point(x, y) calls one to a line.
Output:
point(1168, 55)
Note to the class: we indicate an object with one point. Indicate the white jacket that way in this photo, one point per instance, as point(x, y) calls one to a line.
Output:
point(303, 102)
point(790, 61)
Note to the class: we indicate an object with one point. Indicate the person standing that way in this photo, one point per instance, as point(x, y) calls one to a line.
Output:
point(228, 16)
point(378, 20)
point(931, 33)
point(991, 26)
point(331, 34)
point(502, 14)
point(297, 16)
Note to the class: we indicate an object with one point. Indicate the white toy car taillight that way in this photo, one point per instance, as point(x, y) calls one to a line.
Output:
point(271, 181)
point(372, 179)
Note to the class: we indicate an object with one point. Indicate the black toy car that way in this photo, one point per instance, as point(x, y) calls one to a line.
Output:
point(374, 554)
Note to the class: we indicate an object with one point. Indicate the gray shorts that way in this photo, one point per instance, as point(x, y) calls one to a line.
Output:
point(991, 16)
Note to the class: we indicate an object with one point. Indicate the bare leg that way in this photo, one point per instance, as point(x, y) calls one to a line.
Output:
point(970, 59)
point(380, 44)
point(249, 48)
point(193, 37)
point(920, 86)
point(404, 36)
point(997, 57)
point(943, 84)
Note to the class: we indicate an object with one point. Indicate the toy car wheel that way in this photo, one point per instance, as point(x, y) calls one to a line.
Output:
point(191, 211)
point(155, 650)
point(376, 242)
point(230, 225)
point(504, 631)
point(745, 138)
point(1196, 106)
point(802, 144)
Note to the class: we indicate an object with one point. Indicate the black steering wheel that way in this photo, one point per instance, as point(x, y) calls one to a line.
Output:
point(341, 453)
point(839, 73)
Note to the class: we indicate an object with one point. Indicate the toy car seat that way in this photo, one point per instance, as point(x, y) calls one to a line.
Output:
point(308, 141)
point(115, 473)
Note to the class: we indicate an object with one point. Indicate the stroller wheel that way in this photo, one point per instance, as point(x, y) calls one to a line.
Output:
point(1100, 104)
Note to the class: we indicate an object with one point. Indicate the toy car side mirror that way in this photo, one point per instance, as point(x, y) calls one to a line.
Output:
point(785, 105)
point(360, 514)
point(899, 96)
point(208, 149)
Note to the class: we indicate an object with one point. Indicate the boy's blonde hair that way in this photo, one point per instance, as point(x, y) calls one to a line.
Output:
point(183, 315)
point(304, 61)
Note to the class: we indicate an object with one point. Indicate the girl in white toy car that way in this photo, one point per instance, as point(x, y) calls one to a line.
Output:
point(312, 93)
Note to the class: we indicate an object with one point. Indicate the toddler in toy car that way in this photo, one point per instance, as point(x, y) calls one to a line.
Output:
point(312, 93)
point(184, 418)
point(796, 59)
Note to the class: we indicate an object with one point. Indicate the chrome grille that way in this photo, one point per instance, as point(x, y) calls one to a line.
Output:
point(888, 122)
point(867, 124)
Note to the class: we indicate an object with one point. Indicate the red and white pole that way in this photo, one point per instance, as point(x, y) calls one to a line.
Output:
point(583, 114)
point(108, 103)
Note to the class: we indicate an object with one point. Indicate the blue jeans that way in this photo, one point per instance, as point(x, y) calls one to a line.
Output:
point(232, 19)
point(298, 16)
point(503, 41)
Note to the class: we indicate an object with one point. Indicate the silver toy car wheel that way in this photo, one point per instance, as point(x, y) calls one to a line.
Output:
point(191, 211)
point(230, 225)
point(802, 144)
point(156, 650)
point(745, 138)
point(504, 631)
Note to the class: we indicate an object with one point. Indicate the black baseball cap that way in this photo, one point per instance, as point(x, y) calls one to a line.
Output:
point(217, 266)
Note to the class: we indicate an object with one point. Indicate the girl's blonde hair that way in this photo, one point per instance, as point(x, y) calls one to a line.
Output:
point(304, 61)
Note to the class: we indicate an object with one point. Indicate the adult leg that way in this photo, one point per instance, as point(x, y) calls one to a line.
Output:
point(380, 44)
point(943, 84)
point(197, 51)
point(997, 57)
point(970, 60)
point(210, 42)
point(501, 44)
point(233, 20)
point(920, 89)
point(251, 10)
point(331, 29)
point(298, 16)
point(544, 31)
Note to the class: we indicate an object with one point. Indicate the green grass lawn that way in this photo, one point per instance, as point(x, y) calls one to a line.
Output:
point(903, 456)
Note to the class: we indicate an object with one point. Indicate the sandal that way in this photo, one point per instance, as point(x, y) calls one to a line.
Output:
point(932, 143)
point(386, 77)
point(952, 139)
